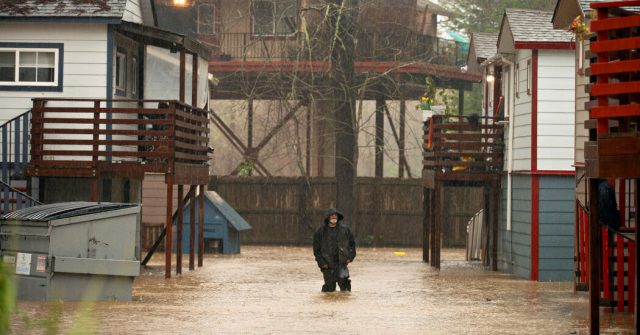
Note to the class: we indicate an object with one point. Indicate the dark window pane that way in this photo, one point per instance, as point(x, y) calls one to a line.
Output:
point(7, 66)
point(263, 17)
point(27, 74)
point(7, 74)
point(45, 75)
point(7, 59)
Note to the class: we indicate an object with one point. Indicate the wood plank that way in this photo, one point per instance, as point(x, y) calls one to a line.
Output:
point(615, 67)
point(619, 146)
point(615, 23)
point(615, 88)
point(615, 45)
point(615, 4)
point(606, 112)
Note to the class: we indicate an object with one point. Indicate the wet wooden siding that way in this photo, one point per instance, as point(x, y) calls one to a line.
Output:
point(556, 227)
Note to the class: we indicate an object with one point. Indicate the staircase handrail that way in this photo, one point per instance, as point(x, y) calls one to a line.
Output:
point(13, 189)
point(15, 118)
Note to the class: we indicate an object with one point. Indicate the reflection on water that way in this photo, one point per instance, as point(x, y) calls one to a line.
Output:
point(275, 290)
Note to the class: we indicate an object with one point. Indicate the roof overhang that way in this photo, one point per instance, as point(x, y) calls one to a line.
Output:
point(163, 38)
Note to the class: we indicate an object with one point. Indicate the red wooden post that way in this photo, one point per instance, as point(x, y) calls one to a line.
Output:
point(605, 263)
point(168, 226)
point(631, 293)
point(179, 224)
point(192, 227)
point(201, 227)
point(603, 57)
point(620, 272)
point(594, 259)
point(586, 232)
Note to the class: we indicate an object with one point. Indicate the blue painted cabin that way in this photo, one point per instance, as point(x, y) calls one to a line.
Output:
point(222, 225)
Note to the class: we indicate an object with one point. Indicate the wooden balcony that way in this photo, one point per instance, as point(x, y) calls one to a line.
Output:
point(459, 150)
point(86, 138)
point(613, 149)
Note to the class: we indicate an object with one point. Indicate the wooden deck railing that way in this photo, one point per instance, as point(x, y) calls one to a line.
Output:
point(80, 137)
point(459, 148)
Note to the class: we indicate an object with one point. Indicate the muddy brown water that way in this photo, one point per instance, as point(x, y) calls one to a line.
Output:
point(276, 290)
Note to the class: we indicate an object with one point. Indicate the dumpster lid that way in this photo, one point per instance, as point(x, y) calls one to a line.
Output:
point(63, 210)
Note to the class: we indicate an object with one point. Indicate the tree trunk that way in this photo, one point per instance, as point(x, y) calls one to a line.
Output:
point(343, 15)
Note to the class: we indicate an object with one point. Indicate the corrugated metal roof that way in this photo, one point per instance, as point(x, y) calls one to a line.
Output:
point(535, 26)
point(66, 8)
point(62, 210)
point(229, 213)
point(485, 44)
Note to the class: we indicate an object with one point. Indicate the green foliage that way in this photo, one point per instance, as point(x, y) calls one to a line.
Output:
point(485, 16)
point(246, 168)
point(7, 297)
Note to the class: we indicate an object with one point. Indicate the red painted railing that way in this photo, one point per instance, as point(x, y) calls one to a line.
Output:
point(618, 262)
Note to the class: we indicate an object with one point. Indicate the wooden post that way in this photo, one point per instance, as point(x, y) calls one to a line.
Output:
point(96, 128)
point(401, 155)
point(194, 79)
point(637, 265)
point(179, 227)
point(168, 226)
point(201, 227)
point(249, 124)
point(308, 144)
point(192, 227)
point(594, 258)
point(427, 210)
point(495, 198)
point(437, 226)
point(461, 102)
point(183, 75)
point(379, 149)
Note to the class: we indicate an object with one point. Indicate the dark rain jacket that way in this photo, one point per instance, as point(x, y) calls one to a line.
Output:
point(322, 249)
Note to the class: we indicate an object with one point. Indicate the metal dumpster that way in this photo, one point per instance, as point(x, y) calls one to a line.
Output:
point(73, 251)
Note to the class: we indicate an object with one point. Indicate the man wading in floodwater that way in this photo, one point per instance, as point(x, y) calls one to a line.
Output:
point(334, 248)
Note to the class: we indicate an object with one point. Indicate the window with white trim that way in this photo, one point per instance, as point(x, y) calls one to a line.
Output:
point(274, 17)
point(134, 76)
point(206, 19)
point(29, 67)
point(121, 71)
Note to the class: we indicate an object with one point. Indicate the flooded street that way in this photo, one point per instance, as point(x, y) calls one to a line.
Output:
point(276, 290)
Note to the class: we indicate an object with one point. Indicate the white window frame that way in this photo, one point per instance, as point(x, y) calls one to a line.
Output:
point(120, 73)
point(134, 75)
point(213, 18)
point(17, 82)
point(274, 20)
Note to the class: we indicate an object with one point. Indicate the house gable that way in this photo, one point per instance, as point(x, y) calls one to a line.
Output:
point(565, 12)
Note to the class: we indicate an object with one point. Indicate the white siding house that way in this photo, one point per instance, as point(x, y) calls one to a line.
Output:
point(535, 74)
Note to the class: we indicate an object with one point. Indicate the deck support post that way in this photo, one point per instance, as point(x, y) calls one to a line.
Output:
point(192, 227)
point(179, 226)
point(168, 226)
point(201, 226)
